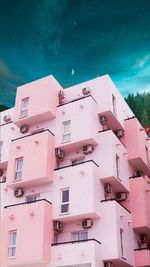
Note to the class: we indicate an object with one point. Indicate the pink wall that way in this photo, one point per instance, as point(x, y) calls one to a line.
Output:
point(38, 159)
point(46, 89)
point(115, 217)
point(33, 223)
point(80, 253)
point(136, 140)
point(140, 199)
point(142, 258)
point(82, 176)
point(84, 124)
point(109, 146)
point(102, 89)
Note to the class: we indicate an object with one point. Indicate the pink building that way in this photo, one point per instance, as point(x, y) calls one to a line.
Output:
point(74, 178)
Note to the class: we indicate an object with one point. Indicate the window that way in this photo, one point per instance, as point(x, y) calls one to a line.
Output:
point(76, 161)
point(1, 146)
point(66, 131)
point(121, 241)
point(114, 105)
point(18, 169)
point(12, 244)
point(55, 238)
point(147, 156)
point(117, 165)
point(79, 236)
point(32, 198)
point(64, 200)
point(24, 107)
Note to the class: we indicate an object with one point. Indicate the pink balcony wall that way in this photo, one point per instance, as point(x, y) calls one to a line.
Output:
point(85, 177)
point(136, 141)
point(109, 147)
point(142, 258)
point(33, 223)
point(37, 151)
point(43, 100)
point(140, 207)
point(79, 253)
point(102, 88)
point(84, 124)
point(114, 217)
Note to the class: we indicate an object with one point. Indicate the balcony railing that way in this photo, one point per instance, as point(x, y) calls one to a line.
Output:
point(31, 202)
point(139, 249)
point(79, 163)
point(6, 123)
point(31, 134)
point(77, 99)
point(76, 241)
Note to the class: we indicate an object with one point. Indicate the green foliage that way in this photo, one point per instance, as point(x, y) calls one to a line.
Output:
point(140, 105)
point(2, 107)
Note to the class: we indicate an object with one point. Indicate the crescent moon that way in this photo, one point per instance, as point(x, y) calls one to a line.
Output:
point(72, 72)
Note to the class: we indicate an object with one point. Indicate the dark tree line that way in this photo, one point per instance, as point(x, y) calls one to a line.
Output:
point(140, 105)
point(2, 107)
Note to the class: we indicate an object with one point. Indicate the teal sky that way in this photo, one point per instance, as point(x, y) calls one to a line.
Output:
point(92, 37)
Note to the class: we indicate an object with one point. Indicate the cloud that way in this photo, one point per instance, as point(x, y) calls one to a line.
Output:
point(5, 73)
point(8, 83)
point(140, 63)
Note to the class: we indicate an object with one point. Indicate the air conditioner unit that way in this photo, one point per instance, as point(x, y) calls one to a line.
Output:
point(1, 172)
point(59, 153)
point(103, 120)
point(58, 226)
point(87, 223)
point(143, 238)
point(61, 94)
point(108, 188)
point(24, 128)
point(108, 264)
point(86, 91)
point(121, 196)
point(88, 149)
point(7, 118)
point(19, 192)
point(120, 133)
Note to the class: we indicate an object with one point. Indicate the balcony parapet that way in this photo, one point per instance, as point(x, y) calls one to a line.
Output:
point(113, 199)
point(77, 241)
point(27, 203)
point(73, 165)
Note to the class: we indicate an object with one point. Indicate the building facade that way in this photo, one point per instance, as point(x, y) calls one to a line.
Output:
point(74, 177)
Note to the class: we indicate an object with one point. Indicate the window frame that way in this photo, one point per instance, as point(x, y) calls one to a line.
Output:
point(78, 235)
point(147, 156)
point(64, 203)
point(77, 161)
point(24, 110)
point(117, 159)
point(114, 105)
point(1, 148)
point(122, 243)
point(66, 133)
point(36, 196)
point(18, 171)
point(12, 246)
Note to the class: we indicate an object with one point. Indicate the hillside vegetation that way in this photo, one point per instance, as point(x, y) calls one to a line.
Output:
point(2, 107)
point(140, 105)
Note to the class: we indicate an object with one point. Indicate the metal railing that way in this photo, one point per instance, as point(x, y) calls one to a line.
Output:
point(27, 203)
point(73, 165)
point(76, 241)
